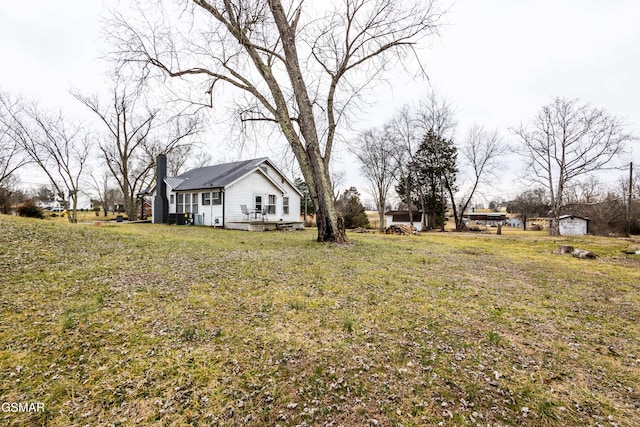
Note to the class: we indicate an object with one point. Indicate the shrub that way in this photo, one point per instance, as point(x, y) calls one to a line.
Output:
point(351, 209)
point(30, 209)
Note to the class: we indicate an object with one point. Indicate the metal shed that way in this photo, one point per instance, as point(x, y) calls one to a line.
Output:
point(573, 225)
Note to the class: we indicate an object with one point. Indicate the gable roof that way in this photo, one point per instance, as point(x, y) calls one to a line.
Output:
point(220, 176)
point(561, 217)
point(403, 216)
point(216, 176)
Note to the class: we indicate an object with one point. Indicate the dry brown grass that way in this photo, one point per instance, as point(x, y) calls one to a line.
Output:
point(164, 325)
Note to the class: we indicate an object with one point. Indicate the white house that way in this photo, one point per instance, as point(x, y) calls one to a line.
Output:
point(573, 225)
point(248, 195)
point(58, 205)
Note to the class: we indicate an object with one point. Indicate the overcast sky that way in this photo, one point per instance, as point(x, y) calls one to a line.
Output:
point(497, 61)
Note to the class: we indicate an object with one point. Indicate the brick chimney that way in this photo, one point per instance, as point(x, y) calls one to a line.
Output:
point(160, 202)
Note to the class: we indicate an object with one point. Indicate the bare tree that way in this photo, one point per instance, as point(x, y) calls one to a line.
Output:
point(567, 140)
point(437, 114)
point(8, 194)
point(338, 178)
point(375, 154)
point(200, 159)
point(405, 134)
point(298, 65)
point(59, 147)
point(12, 156)
point(589, 190)
point(481, 152)
point(529, 204)
point(102, 188)
point(135, 135)
point(184, 157)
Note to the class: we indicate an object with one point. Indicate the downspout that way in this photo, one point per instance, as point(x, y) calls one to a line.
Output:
point(223, 204)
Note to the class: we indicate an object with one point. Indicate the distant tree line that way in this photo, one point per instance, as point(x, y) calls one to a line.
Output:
point(418, 155)
point(125, 140)
point(415, 154)
point(606, 207)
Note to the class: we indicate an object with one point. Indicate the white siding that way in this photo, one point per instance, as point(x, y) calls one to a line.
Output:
point(389, 221)
point(294, 203)
point(171, 197)
point(210, 213)
point(573, 226)
point(243, 192)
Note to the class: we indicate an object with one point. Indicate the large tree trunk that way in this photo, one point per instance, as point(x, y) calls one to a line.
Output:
point(381, 203)
point(316, 175)
point(554, 230)
point(72, 214)
point(310, 158)
point(556, 204)
point(453, 203)
point(330, 226)
point(423, 207)
point(407, 194)
point(129, 203)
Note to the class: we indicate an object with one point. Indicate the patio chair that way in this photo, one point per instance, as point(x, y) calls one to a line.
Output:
point(245, 212)
point(264, 213)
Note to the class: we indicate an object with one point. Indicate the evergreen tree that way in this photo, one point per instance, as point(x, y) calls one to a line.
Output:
point(352, 209)
point(401, 189)
point(436, 171)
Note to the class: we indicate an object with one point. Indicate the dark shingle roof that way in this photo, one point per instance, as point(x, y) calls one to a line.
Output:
point(216, 176)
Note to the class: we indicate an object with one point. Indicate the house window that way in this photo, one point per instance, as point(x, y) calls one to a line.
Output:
point(206, 199)
point(187, 203)
point(194, 203)
point(216, 199)
point(271, 206)
point(172, 199)
point(285, 205)
point(180, 206)
point(258, 205)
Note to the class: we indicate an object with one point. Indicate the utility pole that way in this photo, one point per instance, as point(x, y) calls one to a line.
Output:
point(629, 200)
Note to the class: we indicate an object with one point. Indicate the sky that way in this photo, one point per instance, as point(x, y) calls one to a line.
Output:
point(497, 61)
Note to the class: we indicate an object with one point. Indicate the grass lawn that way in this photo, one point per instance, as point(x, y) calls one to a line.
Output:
point(142, 324)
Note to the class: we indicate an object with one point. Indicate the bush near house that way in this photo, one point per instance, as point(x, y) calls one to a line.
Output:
point(30, 209)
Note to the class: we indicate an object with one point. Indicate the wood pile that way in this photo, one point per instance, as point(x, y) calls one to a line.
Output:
point(405, 230)
point(563, 249)
point(584, 254)
point(578, 253)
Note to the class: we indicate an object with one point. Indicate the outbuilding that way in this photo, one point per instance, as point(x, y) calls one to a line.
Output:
point(573, 225)
point(402, 218)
